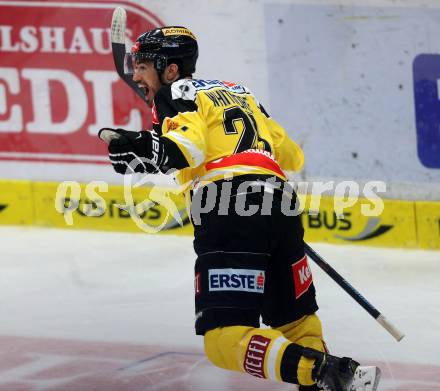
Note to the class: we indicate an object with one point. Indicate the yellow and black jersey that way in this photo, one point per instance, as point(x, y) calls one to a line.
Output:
point(221, 131)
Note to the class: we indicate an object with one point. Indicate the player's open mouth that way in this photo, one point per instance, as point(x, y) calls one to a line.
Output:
point(144, 88)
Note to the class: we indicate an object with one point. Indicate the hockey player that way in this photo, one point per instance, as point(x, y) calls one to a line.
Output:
point(248, 265)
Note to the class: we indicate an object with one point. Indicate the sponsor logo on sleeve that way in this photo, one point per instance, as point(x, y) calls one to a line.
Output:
point(302, 276)
point(241, 280)
point(255, 355)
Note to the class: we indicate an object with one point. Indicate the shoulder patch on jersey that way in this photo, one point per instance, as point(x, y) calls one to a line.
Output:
point(209, 84)
point(183, 89)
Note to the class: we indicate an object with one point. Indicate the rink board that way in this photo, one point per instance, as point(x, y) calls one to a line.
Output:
point(393, 225)
point(428, 224)
point(16, 203)
point(102, 210)
point(407, 224)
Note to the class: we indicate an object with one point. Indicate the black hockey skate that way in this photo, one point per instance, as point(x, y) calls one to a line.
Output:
point(342, 374)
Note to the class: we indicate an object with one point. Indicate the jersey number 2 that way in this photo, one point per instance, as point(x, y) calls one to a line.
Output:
point(234, 115)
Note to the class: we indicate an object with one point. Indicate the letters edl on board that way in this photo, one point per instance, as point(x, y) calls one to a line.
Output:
point(58, 84)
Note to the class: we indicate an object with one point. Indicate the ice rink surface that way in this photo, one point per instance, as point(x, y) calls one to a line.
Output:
point(83, 310)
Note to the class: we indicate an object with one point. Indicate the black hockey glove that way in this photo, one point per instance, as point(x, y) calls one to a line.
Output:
point(131, 152)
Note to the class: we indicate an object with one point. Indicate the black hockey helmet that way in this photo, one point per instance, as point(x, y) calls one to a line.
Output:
point(163, 46)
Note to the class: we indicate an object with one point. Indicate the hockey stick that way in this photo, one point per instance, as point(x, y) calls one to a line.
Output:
point(344, 284)
point(119, 22)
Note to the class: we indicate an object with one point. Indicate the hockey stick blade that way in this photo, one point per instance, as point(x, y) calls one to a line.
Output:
point(119, 22)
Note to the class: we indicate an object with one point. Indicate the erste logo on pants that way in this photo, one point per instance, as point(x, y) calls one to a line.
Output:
point(244, 280)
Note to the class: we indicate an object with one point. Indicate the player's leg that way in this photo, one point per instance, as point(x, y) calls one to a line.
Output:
point(290, 306)
point(266, 353)
point(232, 256)
point(306, 332)
point(256, 351)
point(289, 299)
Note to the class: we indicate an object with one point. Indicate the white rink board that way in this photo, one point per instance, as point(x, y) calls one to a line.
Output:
point(347, 73)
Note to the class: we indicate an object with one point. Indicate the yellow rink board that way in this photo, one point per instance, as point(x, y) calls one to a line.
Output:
point(428, 224)
point(16, 203)
point(94, 208)
point(393, 227)
point(404, 224)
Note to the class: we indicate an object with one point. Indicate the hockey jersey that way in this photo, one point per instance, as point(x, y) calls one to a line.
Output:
point(222, 131)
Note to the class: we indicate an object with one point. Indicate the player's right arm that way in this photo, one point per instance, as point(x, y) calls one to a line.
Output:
point(177, 142)
point(181, 123)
